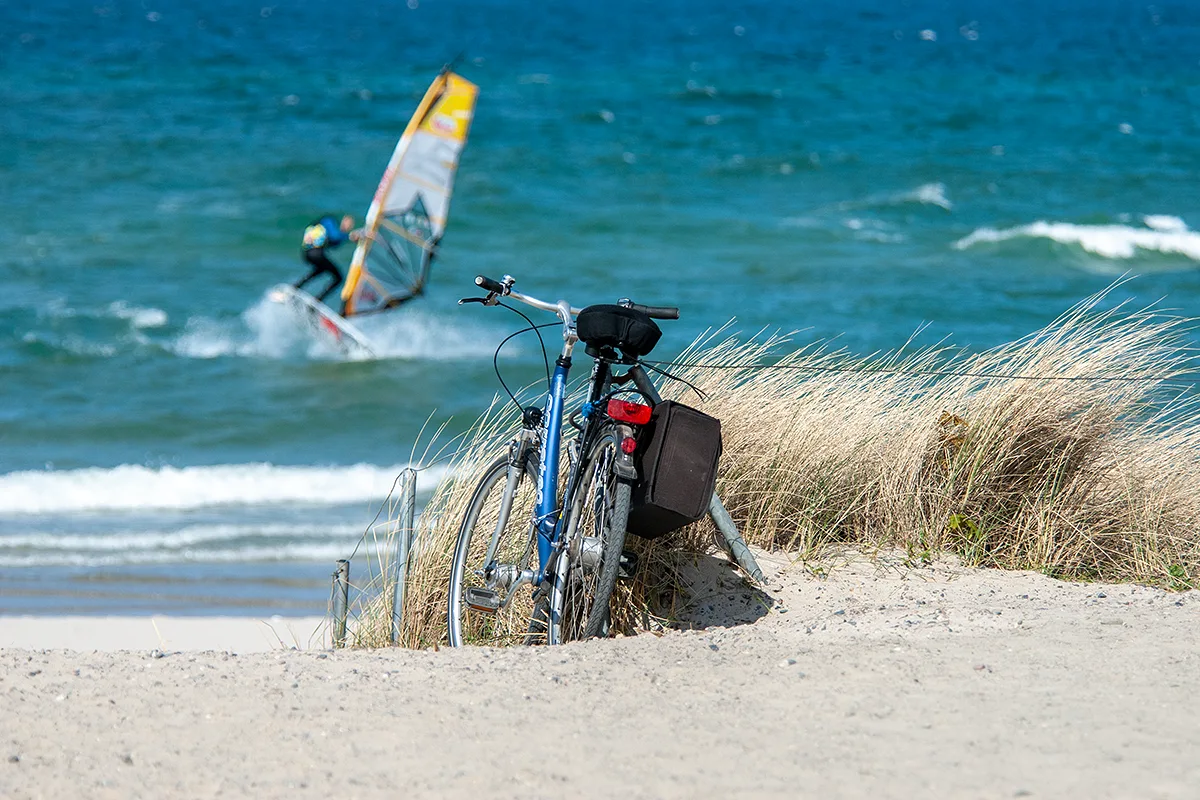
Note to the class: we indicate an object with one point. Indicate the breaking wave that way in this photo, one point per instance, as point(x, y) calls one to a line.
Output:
point(1161, 233)
point(210, 543)
point(134, 487)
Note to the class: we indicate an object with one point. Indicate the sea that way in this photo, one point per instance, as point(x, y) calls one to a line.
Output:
point(873, 174)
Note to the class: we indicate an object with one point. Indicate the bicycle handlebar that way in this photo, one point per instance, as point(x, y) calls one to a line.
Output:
point(484, 282)
point(504, 289)
point(655, 312)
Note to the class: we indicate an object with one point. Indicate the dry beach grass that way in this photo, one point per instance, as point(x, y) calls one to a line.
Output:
point(1072, 452)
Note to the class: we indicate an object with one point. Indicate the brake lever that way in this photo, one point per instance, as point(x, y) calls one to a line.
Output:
point(466, 300)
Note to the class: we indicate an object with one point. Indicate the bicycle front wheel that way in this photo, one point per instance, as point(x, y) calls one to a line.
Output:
point(491, 601)
point(590, 560)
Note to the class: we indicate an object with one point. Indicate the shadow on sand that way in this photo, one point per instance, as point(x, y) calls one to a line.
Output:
point(715, 595)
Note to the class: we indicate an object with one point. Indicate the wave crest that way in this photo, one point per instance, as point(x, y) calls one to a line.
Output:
point(133, 487)
point(1162, 234)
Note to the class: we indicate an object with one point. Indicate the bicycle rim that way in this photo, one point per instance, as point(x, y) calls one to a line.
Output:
point(477, 584)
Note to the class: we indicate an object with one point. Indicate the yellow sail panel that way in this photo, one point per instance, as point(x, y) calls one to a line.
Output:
point(408, 215)
point(451, 114)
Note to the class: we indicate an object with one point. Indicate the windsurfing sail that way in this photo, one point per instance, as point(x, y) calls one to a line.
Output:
point(408, 214)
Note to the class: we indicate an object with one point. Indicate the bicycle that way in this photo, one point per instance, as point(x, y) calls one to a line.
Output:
point(578, 542)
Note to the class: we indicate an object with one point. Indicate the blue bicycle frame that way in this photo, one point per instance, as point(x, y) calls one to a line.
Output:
point(548, 515)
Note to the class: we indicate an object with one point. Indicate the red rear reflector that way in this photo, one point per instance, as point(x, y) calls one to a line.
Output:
point(628, 445)
point(633, 413)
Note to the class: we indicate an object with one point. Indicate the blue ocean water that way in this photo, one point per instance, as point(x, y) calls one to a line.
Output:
point(169, 442)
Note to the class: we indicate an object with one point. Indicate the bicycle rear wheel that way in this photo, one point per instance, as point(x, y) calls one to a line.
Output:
point(490, 601)
point(590, 561)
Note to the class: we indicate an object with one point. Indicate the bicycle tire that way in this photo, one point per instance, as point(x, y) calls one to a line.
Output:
point(515, 550)
point(598, 513)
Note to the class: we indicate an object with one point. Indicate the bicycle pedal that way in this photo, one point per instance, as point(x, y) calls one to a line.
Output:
point(629, 564)
point(483, 600)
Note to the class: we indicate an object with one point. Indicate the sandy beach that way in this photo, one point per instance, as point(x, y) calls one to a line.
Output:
point(876, 680)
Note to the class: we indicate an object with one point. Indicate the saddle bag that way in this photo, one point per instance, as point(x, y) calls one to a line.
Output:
point(630, 331)
point(680, 448)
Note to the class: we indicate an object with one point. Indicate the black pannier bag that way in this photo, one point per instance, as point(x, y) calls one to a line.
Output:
point(680, 448)
point(627, 330)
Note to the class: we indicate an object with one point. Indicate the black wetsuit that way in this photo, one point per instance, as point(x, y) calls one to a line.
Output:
point(315, 244)
point(320, 263)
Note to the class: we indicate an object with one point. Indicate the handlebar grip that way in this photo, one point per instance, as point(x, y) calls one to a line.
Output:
point(657, 312)
point(487, 283)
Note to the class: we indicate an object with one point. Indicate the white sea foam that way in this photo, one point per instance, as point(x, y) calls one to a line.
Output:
point(1164, 234)
point(287, 551)
point(927, 194)
point(190, 543)
point(871, 230)
point(417, 333)
point(138, 316)
point(1165, 223)
point(932, 194)
point(72, 338)
point(57, 308)
point(271, 330)
point(185, 537)
point(206, 338)
point(266, 329)
point(71, 344)
point(134, 487)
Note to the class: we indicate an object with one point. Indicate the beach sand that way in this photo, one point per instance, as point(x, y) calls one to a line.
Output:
point(166, 634)
point(877, 680)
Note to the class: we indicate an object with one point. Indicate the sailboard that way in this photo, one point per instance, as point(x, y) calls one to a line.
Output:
point(323, 320)
point(407, 216)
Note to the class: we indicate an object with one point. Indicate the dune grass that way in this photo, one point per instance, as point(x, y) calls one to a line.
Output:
point(1073, 451)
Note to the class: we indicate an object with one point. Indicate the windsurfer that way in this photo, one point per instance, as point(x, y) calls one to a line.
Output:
point(322, 234)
